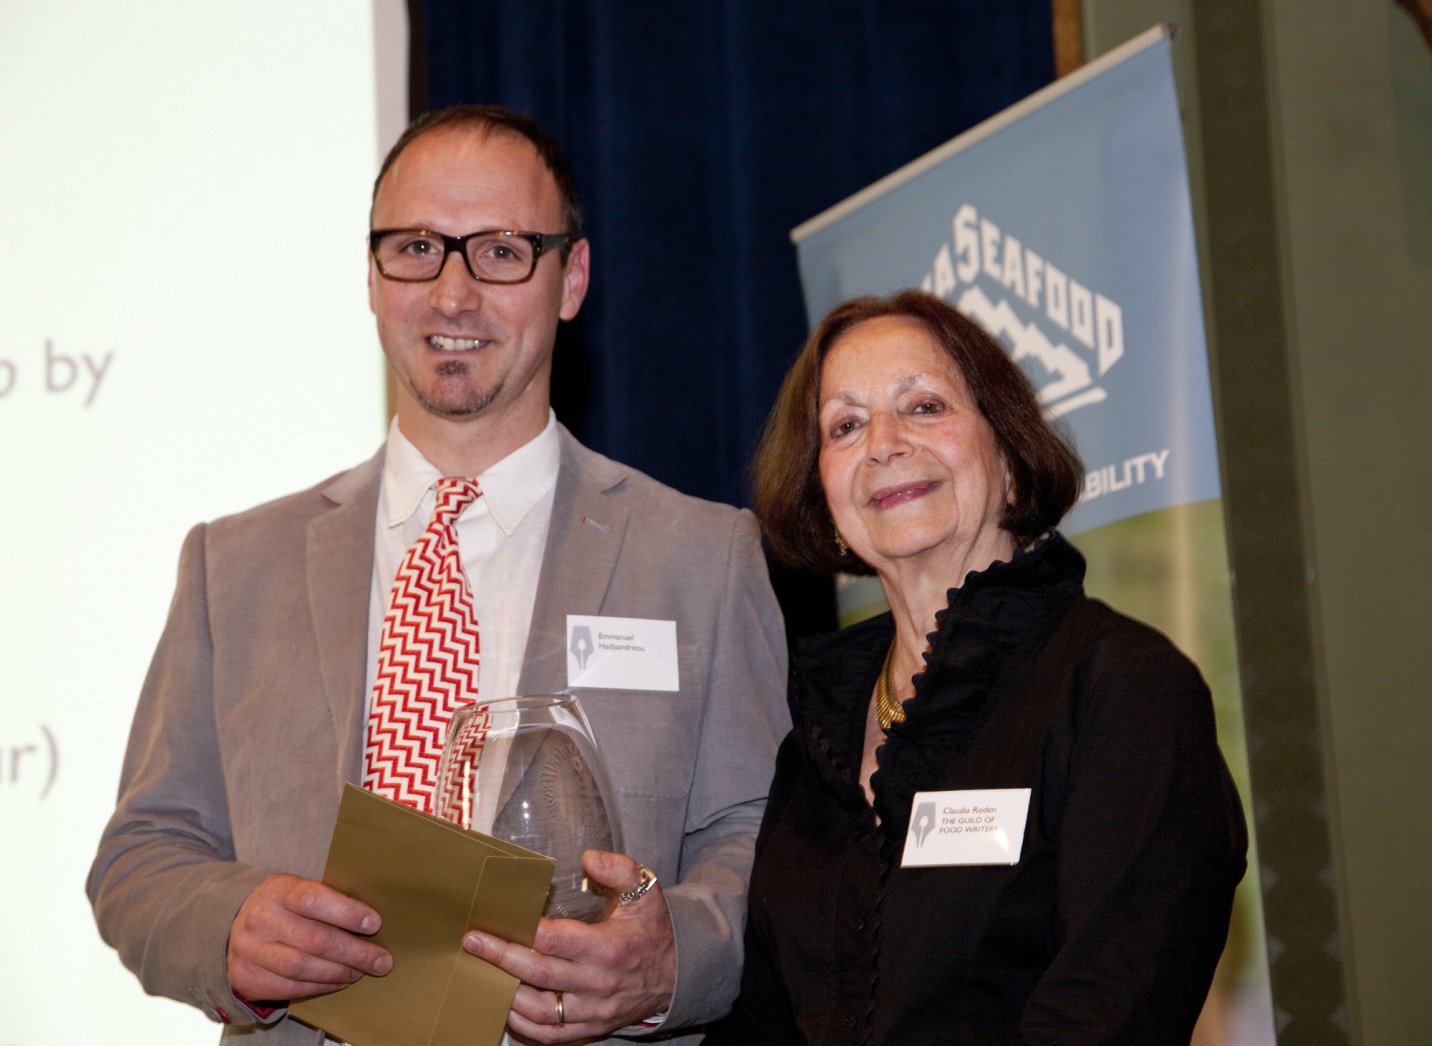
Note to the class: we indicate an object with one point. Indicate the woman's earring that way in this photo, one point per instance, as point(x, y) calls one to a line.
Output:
point(840, 543)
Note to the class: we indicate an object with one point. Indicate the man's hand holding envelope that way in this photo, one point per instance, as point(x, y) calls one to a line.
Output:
point(295, 937)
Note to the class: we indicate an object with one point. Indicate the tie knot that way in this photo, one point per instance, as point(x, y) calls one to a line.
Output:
point(453, 495)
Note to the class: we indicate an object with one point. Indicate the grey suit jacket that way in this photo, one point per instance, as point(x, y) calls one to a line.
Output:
point(252, 718)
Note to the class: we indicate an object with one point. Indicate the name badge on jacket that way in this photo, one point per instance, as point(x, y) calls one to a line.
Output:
point(970, 826)
point(621, 653)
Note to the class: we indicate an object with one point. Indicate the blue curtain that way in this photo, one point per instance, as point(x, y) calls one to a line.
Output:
point(700, 132)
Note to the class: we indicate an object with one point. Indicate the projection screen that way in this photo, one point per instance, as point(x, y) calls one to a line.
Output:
point(185, 334)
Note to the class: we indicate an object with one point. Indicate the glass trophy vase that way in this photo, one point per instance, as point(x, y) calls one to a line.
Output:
point(527, 770)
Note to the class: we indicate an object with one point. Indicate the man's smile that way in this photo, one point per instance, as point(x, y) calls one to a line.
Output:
point(446, 344)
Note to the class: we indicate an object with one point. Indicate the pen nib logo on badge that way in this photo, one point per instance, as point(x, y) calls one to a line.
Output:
point(581, 645)
point(923, 822)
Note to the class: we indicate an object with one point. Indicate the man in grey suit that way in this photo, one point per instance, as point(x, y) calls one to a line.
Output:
point(255, 708)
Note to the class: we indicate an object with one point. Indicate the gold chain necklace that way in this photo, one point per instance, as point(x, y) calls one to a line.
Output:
point(887, 709)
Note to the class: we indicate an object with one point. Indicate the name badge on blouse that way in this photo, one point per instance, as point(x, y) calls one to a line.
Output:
point(621, 653)
point(970, 826)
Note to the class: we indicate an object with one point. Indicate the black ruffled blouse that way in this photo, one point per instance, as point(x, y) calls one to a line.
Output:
point(1108, 928)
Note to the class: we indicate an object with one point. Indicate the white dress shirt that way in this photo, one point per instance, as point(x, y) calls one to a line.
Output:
point(500, 540)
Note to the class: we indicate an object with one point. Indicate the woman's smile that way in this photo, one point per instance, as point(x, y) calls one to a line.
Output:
point(889, 497)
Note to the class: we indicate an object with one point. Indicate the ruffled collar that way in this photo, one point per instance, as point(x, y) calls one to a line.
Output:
point(991, 624)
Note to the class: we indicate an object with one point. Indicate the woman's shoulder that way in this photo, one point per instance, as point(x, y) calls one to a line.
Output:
point(838, 668)
point(1117, 666)
point(1083, 627)
point(832, 654)
point(873, 633)
point(1093, 624)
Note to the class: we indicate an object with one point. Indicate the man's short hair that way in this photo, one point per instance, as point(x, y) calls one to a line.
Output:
point(1046, 473)
point(498, 119)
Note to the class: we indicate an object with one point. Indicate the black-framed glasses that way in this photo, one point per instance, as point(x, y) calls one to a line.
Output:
point(492, 256)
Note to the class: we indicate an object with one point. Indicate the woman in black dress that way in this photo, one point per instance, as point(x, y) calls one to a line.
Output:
point(905, 443)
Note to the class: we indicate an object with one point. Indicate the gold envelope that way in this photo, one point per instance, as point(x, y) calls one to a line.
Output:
point(431, 881)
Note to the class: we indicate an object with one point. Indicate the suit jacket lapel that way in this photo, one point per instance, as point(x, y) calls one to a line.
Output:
point(340, 579)
point(584, 537)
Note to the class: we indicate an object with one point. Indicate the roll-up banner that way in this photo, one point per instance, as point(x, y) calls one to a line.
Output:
point(1063, 226)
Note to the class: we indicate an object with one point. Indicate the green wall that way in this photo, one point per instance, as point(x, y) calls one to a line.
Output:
point(1354, 115)
point(1310, 131)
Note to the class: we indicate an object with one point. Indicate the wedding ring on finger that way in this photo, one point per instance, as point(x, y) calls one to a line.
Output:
point(646, 881)
point(561, 1011)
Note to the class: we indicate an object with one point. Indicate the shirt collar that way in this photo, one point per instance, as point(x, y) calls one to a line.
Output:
point(509, 488)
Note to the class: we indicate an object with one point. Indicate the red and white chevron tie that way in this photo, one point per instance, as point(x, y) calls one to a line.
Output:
point(428, 658)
